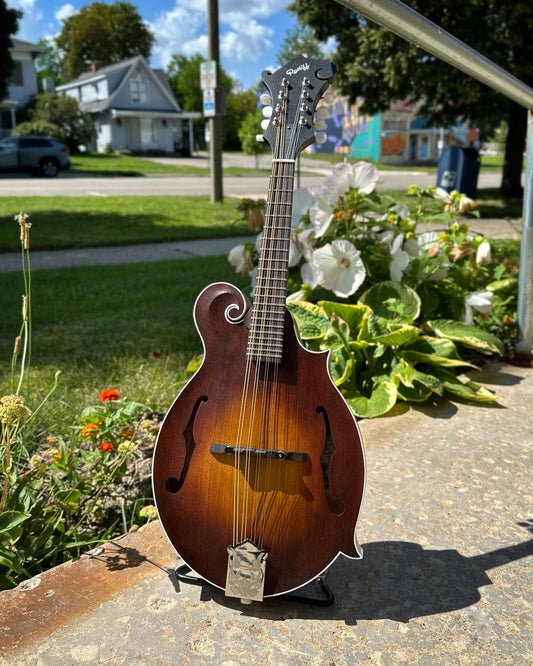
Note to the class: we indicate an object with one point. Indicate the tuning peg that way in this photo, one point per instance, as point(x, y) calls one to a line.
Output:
point(267, 111)
point(321, 137)
point(329, 97)
point(259, 138)
point(322, 111)
point(319, 124)
point(265, 123)
point(265, 98)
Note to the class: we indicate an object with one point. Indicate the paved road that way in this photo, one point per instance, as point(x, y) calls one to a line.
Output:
point(70, 184)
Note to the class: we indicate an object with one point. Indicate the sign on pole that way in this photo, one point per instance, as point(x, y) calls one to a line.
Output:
point(209, 102)
point(208, 74)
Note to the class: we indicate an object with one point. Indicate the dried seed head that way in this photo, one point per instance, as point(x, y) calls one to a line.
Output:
point(18, 345)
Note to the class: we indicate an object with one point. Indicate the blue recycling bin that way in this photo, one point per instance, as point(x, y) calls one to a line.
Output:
point(459, 170)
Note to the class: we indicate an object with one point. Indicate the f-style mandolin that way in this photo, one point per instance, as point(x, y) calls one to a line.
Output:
point(258, 470)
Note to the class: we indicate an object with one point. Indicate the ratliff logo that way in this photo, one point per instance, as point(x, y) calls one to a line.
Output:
point(303, 67)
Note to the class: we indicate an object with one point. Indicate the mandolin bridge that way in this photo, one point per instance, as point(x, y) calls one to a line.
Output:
point(258, 453)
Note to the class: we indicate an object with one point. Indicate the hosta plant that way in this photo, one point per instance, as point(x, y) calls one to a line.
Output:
point(397, 292)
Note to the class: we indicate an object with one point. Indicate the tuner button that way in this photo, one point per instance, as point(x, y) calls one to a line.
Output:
point(321, 137)
point(265, 98)
point(259, 138)
point(265, 123)
point(322, 111)
point(329, 97)
point(267, 111)
point(320, 123)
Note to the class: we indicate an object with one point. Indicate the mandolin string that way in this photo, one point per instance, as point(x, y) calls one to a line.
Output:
point(271, 259)
point(285, 188)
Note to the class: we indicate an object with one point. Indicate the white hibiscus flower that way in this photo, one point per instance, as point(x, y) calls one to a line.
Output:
point(361, 175)
point(339, 267)
point(480, 301)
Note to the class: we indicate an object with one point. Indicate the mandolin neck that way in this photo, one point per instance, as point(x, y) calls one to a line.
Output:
point(265, 340)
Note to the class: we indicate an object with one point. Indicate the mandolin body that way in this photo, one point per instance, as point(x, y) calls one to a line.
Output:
point(301, 508)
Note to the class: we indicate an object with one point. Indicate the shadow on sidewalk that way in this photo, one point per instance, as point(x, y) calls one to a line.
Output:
point(396, 580)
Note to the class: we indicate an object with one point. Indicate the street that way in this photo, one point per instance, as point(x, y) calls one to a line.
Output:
point(71, 184)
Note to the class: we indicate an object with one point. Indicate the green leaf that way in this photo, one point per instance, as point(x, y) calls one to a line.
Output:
point(382, 399)
point(10, 560)
point(68, 495)
point(466, 390)
point(505, 283)
point(409, 376)
point(311, 320)
point(392, 300)
point(415, 393)
point(10, 519)
point(399, 335)
point(435, 351)
point(352, 314)
point(470, 336)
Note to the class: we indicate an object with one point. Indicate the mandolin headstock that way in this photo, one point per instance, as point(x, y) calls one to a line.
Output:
point(295, 91)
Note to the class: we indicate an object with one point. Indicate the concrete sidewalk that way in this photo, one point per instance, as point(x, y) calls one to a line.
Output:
point(446, 576)
point(129, 254)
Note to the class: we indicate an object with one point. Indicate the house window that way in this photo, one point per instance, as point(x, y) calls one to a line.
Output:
point(138, 91)
point(17, 78)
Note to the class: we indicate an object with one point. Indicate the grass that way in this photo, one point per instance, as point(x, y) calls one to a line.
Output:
point(101, 326)
point(71, 222)
point(65, 222)
point(96, 164)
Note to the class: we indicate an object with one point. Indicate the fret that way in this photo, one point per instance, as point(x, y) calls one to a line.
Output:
point(265, 338)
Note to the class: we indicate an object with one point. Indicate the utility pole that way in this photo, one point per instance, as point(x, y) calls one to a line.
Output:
point(215, 121)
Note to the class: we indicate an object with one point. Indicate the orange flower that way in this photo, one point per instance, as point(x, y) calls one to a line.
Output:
point(105, 446)
point(89, 430)
point(109, 394)
point(127, 433)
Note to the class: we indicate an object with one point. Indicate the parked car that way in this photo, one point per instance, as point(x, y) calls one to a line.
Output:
point(36, 154)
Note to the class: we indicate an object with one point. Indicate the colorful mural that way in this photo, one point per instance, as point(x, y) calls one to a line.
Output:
point(349, 131)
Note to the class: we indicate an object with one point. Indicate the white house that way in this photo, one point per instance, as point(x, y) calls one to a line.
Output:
point(22, 85)
point(133, 107)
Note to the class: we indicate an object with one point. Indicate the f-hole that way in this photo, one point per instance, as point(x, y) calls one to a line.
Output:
point(173, 484)
point(335, 505)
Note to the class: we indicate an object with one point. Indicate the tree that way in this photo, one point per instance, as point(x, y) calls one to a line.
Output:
point(49, 63)
point(300, 39)
point(103, 33)
point(8, 26)
point(64, 113)
point(381, 67)
point(250, 128)
point(184, 77)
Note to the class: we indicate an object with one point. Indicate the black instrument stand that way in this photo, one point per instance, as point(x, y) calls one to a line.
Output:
point(184, 574)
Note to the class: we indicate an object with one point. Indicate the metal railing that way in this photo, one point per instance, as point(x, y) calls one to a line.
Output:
point(415, 28)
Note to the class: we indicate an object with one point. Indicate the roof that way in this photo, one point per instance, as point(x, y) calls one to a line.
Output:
point(20, 45)
point(124, 66)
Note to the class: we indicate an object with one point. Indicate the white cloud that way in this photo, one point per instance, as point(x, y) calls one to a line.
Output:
point(30, 23)
point(64, 12)
point(244, 36)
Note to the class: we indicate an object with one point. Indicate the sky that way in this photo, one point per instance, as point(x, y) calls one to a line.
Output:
point(250, 31)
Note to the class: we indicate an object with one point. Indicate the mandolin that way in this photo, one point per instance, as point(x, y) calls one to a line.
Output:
point(258, 471)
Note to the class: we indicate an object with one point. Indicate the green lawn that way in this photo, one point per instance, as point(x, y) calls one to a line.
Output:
point(100, 327)
point(128, 165)
point(63, 222)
